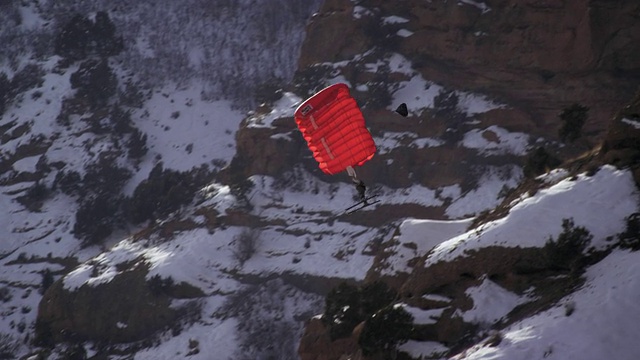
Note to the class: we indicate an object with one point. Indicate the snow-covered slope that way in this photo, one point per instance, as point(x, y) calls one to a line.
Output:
point(601, 322)
point(264, 260)
point(595, 321)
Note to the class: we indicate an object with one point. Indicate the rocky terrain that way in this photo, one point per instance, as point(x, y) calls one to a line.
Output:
point(161, 203)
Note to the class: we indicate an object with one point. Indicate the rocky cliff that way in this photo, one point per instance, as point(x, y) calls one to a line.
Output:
point(238, 265)
point(529, 60)
point(534, 57)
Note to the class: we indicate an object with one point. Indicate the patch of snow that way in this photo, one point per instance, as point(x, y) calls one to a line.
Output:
point(553, 176)
point(283, 108)
point(27, 164)
point(434, 297)
point(416, 238)
point(423, 349)
point(185, 130)
point(634, 123)
point(487, 194)
point(478, 4)
point(359, 12)
point(491, 303)
point(506, 143)
point(404, 33)
point(103, 268)
point(392, 140)
point(472, 104)
point(419, 94)
point(394, 19)
point(29, 18)
point(600, 203)
point(604, 324)
point(423, 317)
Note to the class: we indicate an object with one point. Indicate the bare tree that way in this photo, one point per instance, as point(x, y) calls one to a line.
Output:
point(245, 245)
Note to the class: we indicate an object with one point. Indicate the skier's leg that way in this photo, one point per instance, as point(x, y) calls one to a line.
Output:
point(352, 173)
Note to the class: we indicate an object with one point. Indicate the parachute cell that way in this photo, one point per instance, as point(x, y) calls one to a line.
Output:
point(333, 126)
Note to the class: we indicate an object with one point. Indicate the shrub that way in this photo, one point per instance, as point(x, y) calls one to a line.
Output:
point(239, 185)
point(131, 96)
point(105, 177)
point(69, 182)
point(43, 334)
point(5, 294)
point(80, 37)
point(104, 36)
point(137, 144)
point(73, 41)
point(164, 192)
point(246, 245)
point(8, 346)
point(382, 34)
point(379, 95)
point(342, 310)
point(630, 238)
point(29, 77)
point(446, 102)
point(268, 92)
point(445, 106)
point(539, 162)
point(159, 285)
point(573, 119)
point(34, 197)
point(75, 352)
point(567, 251)
point(385, 330)
point(346, 306)
point(5, 88)
point(96, 217)
point(375, 296)
point(311, 79)
point(47, 280)
point(121, 120)
point(95, 82)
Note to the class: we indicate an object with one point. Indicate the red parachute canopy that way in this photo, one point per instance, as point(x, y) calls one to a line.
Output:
point(334, 128)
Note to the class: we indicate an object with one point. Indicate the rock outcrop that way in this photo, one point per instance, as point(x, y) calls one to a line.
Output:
point(621, 146)
point(536, 56)
point(127, 308)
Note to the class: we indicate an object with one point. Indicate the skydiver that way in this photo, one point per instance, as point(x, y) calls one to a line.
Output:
point(360, 186)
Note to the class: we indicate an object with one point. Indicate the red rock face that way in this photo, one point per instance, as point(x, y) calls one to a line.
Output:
point(538, 56)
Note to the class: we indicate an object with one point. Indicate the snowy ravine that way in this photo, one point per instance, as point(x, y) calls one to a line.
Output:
point(254, 305)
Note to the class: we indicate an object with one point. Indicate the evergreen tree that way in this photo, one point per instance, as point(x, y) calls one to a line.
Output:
point(573, 119)
point(95, 218)
point(74, 38)
point(566, 252)
point(47, 280)
point(5, 88)
point(104, 36)
point(538, 162)
point(342, 310)
point(137, 144)
point(95, 82)
point(385, 330)
point(81, 37)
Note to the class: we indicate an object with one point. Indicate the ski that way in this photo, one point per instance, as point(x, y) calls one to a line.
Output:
point(360, 205)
